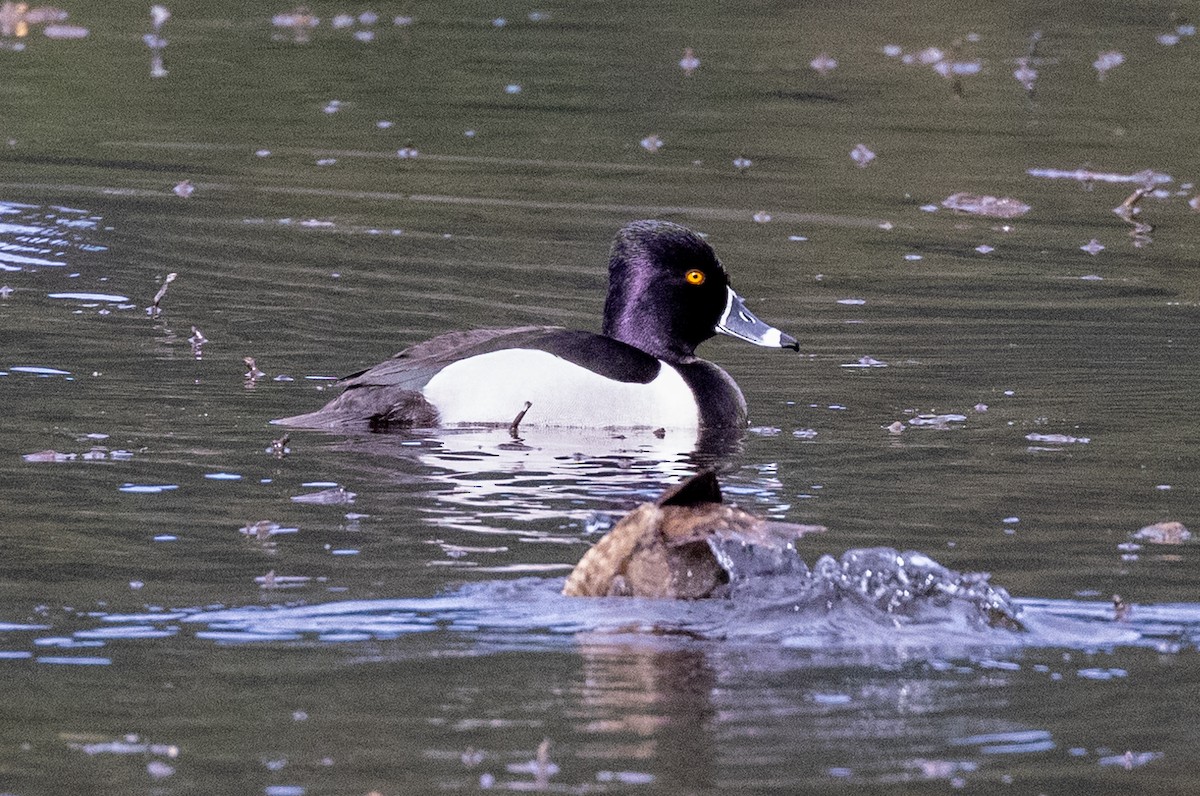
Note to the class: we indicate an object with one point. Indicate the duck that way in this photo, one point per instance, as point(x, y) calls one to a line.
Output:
point(667, 293)
point(665, 549)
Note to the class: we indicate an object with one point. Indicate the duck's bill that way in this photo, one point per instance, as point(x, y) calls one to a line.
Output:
point(739, 322)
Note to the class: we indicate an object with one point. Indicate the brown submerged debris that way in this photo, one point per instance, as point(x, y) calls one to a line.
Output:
point(154, 308)
point(197, 340)
point(662, 550)
point(1128, 211)
point(1121, 609)
point(1169, 532)
point(252, 374)
point(516, 423)
point(990, 206)
point(279, 447)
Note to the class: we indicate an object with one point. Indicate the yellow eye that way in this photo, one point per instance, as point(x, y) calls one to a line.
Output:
point(694, 277)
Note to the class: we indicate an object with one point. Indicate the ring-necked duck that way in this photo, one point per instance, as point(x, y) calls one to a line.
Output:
point(667, 293)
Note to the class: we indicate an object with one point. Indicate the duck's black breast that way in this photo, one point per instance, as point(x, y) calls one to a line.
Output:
point(717, 395)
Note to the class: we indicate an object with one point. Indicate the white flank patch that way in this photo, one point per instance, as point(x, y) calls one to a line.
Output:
point(493, 388)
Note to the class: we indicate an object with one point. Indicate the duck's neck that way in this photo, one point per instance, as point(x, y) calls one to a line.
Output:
point(645, 330)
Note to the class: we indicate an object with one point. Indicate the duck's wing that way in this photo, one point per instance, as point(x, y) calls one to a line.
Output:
point(389, 395)
point(413, 367)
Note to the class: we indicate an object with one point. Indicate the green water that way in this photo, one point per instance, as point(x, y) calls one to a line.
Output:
point(311, 246)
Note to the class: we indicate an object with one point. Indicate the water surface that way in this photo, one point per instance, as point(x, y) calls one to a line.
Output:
point(412, 638)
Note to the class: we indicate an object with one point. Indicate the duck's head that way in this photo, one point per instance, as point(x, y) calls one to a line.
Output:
point(668, 293)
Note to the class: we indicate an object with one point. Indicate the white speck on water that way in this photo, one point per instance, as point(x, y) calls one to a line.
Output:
point(762, 217)
point(384, 124)
point(1163, 487)
point(892, 50)
point(983, 248)
point(862, 155)
point(852, 301)
point(1092, 247)
point(742, 163)
point(1010, 520)
point(928, 208)
point(1107, 61)
point(689, 62)
point(797, 238)
point(512, 88)
point(823, 64)
point(368, 18)
point(333, 106)
point(913, 257)
point(341, 21)
point(364, 36)
point(1091, 278)
point(263, 153)
point(1167, 39)
point(326, 161)
point(403, 21)
point(651, 143)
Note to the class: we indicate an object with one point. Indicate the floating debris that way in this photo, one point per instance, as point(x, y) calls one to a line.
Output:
point(272, 581)
point(990, 206)
point(298, 23)
point(407, 152)
point(197, 340)
point(937, 421)
point(689, 63)
point(742, 163)
point(1146, 177)
point(5, 291)
point(252, 374)
point(762, 217)
point(865, 362)
point(823, 64)
point(1121, 609)
point(1025, 74)
point(1170, 532)
point(333, 496)
point(515, 426)
point(862, 155)
point(17, 18)
point(1057, 439)
point(1107, 61)
point(65, 32)
point(651, 143)
point(158, 17)
point(983, 248)
point(333, 106)
point(279, 447)
point(512, 88)
point(154, 308)
point(1092, 247)
point(184, 189)
point(1128, 211)
point(263, 530)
